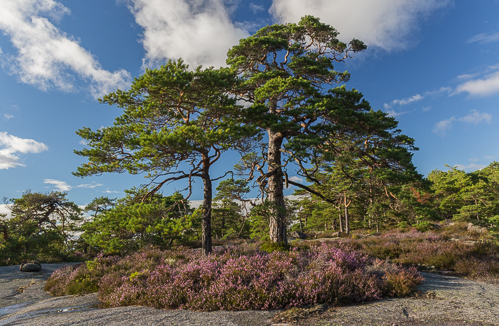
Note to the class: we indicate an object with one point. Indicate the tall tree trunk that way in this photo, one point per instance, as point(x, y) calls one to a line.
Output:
point(276, 191)
point(341, 222)
point(208, 193)
point(347, 222)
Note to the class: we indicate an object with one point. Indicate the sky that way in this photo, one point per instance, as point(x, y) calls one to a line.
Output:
point(432, 64)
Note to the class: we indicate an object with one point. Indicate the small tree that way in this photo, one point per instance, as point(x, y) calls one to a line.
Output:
point(133, 223)
point(230, 213)
point(176, 124)
point(42, 227)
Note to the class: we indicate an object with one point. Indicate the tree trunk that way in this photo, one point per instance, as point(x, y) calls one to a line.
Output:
point(208, 193)
point(347, 222)
point(341, 222)
point(276, 191)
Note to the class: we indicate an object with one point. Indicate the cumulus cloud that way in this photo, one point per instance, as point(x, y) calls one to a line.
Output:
point(59, 185)
point(475, 117)
point(383, 23)
point(5, 210)
point(480, 87)
point(470, 167)
point(484, 38)
point(417, 97)
point(199, 31)
point(47, 57)
point(90, 185)
point(7, 116)
point(11, 145)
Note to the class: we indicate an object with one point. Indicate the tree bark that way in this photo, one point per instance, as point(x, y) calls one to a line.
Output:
point(277, 224)
point(207, 201)
point(347, 222)
point(341, 223)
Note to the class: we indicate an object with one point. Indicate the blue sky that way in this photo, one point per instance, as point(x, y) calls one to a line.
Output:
point(433, 64)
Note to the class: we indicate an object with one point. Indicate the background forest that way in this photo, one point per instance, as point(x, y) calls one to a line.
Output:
point(44, 225)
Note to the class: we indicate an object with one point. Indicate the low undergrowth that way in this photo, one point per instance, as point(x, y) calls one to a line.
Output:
point(479, 260)
point(238, 278)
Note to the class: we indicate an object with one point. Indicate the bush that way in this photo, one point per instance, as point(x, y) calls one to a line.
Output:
point(402, 282)
point(72, 279)
point(270, 247)
point(423, 226)
point(238, 278)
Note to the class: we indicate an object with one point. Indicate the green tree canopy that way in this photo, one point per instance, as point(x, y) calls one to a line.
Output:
point(176, 124)
point(42, 227)
point(287, 77)
point(133, 223)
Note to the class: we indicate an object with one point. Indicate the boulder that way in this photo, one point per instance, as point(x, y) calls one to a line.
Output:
point(476, 228)
point(298, 234)
point(31, 267)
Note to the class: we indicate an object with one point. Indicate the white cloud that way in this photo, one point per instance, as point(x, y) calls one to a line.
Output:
point(426, 108)
point(417, 97)
point(83, 142)
point(466, 76)
point(46, 55)
point(393, 114)
point(111, 192)
point(443, 125)
point(474, 117)
point(10, 145)
point(477, 117)
point(59, 185)
point(480, 87)
point(199, 31)
point(7, 116)
point(484, 38)
point(90, 185)
point(5, 210)
point(256, 8)
point(474, 159)
point(404, 101)
point(470, 167)
point(382, 23)
point(296, 179)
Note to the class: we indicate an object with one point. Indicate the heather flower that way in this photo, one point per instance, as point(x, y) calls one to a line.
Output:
point(239, 278)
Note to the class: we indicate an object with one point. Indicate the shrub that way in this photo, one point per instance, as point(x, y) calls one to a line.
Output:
point(402, 282)
point(423, 226)
point(237, 278)
point(478, 268)
point(270, 247)
point(72, 279)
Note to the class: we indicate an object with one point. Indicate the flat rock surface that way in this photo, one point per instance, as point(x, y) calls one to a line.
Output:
point(443, 300)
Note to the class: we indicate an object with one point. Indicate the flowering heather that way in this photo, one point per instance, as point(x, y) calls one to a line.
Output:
point(238, 278)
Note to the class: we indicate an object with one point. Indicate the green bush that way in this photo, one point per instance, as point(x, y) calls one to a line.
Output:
point(423, 226)
point(270, 247)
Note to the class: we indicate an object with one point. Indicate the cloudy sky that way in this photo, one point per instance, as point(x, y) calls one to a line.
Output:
point(433, 64)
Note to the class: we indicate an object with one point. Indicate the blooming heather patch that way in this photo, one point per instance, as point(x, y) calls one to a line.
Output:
point(240, 278)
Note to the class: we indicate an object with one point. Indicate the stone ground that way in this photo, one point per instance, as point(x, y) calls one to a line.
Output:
point(442, 300)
